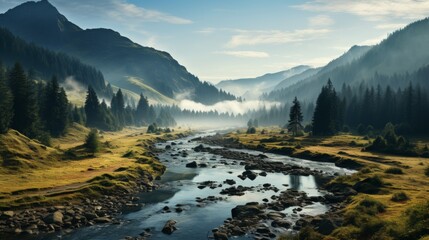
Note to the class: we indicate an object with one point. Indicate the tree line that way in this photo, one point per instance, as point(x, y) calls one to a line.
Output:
point(41, 110)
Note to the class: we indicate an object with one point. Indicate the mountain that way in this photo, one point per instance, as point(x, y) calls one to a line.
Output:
point(353, 53)
point(307, 84)
point(399, 59)
point(254, 87)
point(43, 63)
point(116, 56)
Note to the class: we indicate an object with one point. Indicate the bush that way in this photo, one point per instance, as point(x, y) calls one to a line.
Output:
point(370, 206)
point(417, 220)
point(399, 197)
point(361, 129)
point(394, 170)
point(251, 130)
point(153, 128)
point(92, 142)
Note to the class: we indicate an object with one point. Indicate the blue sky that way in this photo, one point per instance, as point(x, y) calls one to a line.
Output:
point(228, 39)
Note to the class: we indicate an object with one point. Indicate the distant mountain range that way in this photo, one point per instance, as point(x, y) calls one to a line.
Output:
point(402, 54)
point(252, 88)
point(124, 63)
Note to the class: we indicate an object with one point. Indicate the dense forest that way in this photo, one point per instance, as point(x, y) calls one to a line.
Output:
point(43, 63)
point(41, 110)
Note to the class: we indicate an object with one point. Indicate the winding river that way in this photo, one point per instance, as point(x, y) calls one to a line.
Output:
point(179, 197)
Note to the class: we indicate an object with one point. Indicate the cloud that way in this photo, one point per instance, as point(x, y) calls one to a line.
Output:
point(234, 107)
point(390, 26)
point(275, 37)
point(245, 54)
point(320, 20)
point(373, 41)
point(127, 11)
point(372, 10)
point(118, 10)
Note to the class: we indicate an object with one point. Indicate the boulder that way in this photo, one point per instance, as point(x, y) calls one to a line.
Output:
point(220, 236)
point(54, 218)
point(169, 227)
point(245, 211)
point(6, 215)
point(192, 164)
point(102, 220)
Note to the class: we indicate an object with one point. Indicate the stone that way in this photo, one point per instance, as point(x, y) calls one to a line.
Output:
point(6, 215)
point(54, 218)
point(169, 227)
point(245, 211)
point(192, 164)
point(220, 236)
point(102, 220)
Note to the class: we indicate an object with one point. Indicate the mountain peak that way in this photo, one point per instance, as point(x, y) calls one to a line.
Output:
point(37, 22)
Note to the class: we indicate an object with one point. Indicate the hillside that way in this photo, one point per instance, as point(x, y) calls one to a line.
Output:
point(41, 23)
point(393, 62)
point(252, 88)
point(44, 63)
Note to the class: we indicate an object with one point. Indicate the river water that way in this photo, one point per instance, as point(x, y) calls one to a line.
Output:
point(180, 188)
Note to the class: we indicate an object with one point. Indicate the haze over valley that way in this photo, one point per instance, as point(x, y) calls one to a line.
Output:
point(126, 119)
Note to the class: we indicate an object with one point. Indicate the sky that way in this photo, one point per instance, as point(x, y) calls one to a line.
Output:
point(230, 39)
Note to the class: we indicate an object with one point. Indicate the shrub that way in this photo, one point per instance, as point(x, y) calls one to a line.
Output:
point(371, 206)
point(153, 128)
point(92, 142)
point(399, 197)
point(394, 170)
point(251, 130)
point(417, 220)
point(361, 129)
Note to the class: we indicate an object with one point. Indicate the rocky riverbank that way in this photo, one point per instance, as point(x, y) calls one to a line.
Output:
point(69, 216)
point(267, 219)
point(344, 162)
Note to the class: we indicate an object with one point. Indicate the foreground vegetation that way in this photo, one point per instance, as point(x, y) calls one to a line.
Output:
point(393, 204)
point(32, 174)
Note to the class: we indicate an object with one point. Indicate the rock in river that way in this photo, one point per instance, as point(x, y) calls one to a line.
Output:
point(169, 227)
point(192, 164)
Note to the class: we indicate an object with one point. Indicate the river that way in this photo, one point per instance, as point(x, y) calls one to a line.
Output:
point(179, 189)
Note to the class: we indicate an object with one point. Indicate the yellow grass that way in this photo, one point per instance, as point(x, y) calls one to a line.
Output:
point(413, 182)
point(59, 174)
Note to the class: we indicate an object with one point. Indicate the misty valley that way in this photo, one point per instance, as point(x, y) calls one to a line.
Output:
point(293, 127)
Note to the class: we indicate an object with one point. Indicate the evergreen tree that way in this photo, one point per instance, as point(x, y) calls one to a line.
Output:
point(118, 107)
point(25, 118)
point(326, 116)
point(92, 142)
point(92, 108)
point(295, 118)
point(142, 111)
point(55, 108)
point(6, 103)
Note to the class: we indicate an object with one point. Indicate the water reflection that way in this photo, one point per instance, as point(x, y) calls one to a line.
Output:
point(295, 182)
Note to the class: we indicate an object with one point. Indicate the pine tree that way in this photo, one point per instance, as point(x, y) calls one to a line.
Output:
point(55, 108)
point(6, 103)
point(92, 142)
point(142, 111)
point(92, 108)
point(25, 118)
point(295, 118)
point(118, 107)
point(326, 116)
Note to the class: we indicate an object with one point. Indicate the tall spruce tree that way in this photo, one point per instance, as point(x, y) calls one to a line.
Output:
point(326, 115)
point(118, 107)
point(92, 108)
point(6, 103)
point(55, 108)
point(25, 118)
point(295, 118)
point(142, 111)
